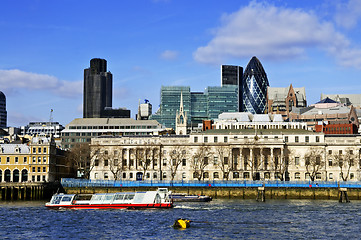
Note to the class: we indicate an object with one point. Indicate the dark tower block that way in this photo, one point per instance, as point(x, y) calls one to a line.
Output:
point(255, 85)
point(3, 112)
point(233, 75)
point(97, 88)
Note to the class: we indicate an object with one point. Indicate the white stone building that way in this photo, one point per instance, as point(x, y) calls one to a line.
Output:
point(233, 154)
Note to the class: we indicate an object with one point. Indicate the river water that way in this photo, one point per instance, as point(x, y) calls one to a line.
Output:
point(219, 219)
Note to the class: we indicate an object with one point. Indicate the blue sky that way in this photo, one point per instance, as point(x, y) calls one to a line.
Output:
point(45, 45)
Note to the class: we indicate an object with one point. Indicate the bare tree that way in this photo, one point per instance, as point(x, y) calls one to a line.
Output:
point(144, 157)
point(116, 163)
point(200, 161)
point(280, 164)
point(176, 156)
point(224, 153)
point(254, 163)
point(345, 162)
point(314, 162)
point(80, 157)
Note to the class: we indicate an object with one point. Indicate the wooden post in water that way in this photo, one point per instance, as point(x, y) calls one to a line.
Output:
point(342, 193)
point(261, 196)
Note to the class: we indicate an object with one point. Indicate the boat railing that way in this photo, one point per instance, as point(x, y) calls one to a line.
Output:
point(71, 182)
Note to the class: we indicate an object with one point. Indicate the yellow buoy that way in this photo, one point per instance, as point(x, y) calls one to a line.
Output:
point(181, 223)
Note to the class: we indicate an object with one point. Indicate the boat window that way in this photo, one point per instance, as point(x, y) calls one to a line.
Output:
point(129, 197)
point(66, 199)
point(97, 197)
point(119, 197)
point(56, 200)
point(108, 197)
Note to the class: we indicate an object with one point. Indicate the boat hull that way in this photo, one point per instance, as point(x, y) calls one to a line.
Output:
point(111, 206)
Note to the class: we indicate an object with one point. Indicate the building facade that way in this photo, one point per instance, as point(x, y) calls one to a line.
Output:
point(198, 106)
point(282, 100)
point(324, 112)
point(98, 92)
point(81, 130)
point(346, 99)
point(288, 154)
point(233, 75)
point(42, 128)
point(35, 161)
point(3, 112)
point(98, 84)
point(255, 83)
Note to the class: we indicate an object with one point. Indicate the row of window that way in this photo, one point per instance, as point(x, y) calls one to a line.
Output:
point(115, 127)
point(25, 159)
point(38, 169)
point(216, 175)
point(225, 139)
point(205, 139)
point(39, 150)
point(306, 139)
point(38, 178)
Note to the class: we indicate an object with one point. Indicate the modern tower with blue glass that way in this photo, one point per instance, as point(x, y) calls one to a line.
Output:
point(254, 86)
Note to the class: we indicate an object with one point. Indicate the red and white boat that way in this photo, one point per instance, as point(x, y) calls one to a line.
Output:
point(128, 200)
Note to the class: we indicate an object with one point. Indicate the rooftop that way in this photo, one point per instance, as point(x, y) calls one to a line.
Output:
point(259, 132)
point(110, 121)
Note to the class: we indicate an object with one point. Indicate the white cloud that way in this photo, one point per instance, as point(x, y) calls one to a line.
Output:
point(271, 32)
point(169, 55)
point(348, 14)
point(16, 79)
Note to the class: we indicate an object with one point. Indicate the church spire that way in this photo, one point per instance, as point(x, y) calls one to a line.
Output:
point(181, 119)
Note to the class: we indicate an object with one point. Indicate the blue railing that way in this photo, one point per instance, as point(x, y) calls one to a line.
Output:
point(71, 182)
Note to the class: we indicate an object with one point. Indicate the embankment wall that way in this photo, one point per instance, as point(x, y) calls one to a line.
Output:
point(236, 192)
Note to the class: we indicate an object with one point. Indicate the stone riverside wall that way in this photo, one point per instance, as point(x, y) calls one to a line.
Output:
point(237, 193)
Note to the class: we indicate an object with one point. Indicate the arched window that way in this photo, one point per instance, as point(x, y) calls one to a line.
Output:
point(215, 175)
point(7, 175)
point(205, 175)
point(16, 175)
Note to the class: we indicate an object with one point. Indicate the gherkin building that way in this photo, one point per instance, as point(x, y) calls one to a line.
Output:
point(255, 85)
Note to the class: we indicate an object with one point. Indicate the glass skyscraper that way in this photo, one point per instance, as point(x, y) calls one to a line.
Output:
point(221, 99)
point(233, 75)
point(169, 104)
point(255, 85)
point(198, 106)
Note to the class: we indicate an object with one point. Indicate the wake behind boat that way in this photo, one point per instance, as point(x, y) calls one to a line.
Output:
point(129, 200)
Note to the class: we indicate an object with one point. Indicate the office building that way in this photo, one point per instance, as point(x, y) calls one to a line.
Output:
point(3, 113)
point(346, 99)
point(81, 130)
point(42, 128)
point(144, 110)
point(197, 106)
point(283, 100)
point(254, 87)
point(325, 111)
point(98, 87)
point(233, 75)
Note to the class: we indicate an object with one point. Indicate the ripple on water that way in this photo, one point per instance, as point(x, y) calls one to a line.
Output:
point(219, 219)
